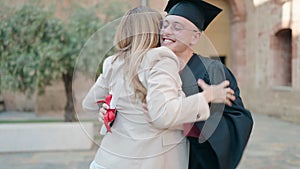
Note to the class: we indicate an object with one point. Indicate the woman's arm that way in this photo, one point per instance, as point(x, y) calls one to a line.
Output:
point(99, 90)
point(167, 106)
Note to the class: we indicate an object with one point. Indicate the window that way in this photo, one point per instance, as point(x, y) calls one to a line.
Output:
point(282, 61)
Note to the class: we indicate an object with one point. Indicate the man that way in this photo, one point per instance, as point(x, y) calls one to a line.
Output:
point(219, 142)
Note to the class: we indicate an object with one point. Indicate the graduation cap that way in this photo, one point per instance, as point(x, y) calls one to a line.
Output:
point(200, 13)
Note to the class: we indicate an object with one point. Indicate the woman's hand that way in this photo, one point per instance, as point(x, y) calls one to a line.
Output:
point(220, 93)
point(102, 111)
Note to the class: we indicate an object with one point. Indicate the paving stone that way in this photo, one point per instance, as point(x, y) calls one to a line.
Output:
point(274, 144)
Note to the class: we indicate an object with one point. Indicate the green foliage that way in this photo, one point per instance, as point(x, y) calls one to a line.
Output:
point(112, 10)
point(36, 47)
point(31, 44)
point(82, 24)
point(94, 30)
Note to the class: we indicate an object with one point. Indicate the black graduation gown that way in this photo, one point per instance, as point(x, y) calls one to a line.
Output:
point(225, 134)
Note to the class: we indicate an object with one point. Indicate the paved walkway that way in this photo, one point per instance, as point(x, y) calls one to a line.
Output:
point(274, 144)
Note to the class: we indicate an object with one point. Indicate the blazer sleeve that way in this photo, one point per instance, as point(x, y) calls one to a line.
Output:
point(167, 105)
point(99, 90)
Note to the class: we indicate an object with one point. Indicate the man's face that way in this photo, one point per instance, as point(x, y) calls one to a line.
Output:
point(177, 33)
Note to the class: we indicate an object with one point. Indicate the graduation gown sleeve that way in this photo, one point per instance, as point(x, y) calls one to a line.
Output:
point(228, 129)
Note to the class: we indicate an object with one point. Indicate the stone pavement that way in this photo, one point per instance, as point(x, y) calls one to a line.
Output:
point(274, 144)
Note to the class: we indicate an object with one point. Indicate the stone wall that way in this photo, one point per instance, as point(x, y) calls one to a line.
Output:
point(262, 94)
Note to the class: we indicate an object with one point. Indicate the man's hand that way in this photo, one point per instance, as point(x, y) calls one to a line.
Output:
point(220, 93)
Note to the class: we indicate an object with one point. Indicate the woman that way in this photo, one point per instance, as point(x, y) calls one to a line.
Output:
point(142, 73)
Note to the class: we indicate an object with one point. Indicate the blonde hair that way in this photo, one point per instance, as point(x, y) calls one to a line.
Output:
point(137, 33)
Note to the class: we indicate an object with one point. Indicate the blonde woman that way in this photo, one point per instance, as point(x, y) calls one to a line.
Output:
point(141, 72)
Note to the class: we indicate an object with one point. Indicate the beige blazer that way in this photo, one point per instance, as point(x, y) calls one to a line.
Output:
point(147, 140)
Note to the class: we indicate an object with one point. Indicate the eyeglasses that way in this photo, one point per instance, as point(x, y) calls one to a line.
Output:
point(175, 26)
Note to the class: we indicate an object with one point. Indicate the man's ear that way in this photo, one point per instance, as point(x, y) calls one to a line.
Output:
point(195, 38)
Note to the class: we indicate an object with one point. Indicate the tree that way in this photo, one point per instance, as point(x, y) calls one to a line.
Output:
point(37, 48)
point(31, 42)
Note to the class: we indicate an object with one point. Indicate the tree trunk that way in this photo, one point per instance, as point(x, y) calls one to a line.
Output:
point(70, 115)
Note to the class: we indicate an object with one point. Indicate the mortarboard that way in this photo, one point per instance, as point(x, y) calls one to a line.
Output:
point(200, 13)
